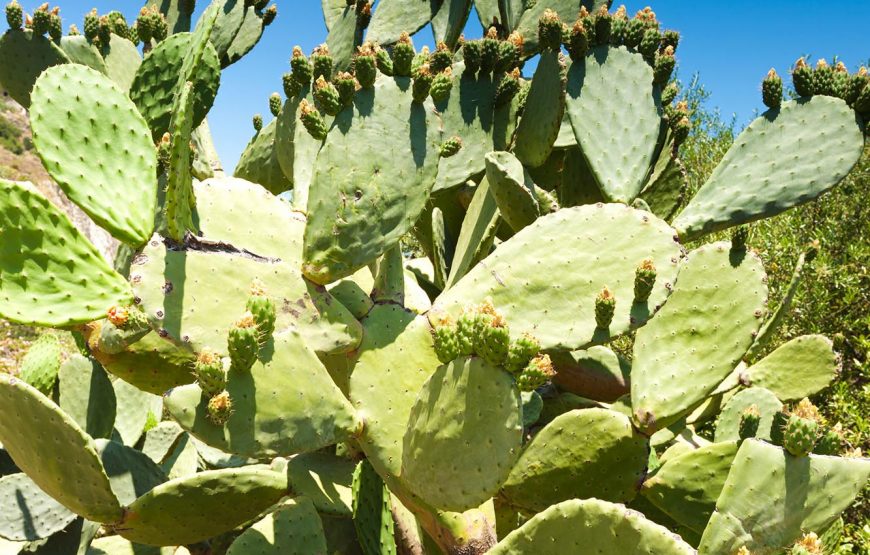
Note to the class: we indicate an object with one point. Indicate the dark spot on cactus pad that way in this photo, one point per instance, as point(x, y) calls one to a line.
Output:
point(135, 278)
point(357, 194)
point(159, 314)
point(167, 287)
point(137, 300)
point(163, 333)
point(139, 259)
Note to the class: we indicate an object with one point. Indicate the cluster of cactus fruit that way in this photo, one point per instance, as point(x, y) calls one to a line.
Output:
point(262, 370)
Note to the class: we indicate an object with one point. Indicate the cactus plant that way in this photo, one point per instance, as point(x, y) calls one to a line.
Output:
point(322, 392)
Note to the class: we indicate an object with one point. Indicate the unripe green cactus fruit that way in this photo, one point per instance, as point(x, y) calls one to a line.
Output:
point(301, 67)
point(55, 26)
point(537, 372)
point(209, 372)
point(521, 352)
point(465, 333)
point(403, 56)
point(605, 306)
point(446, 342)
point(494, 340)
point(270, 14)
point(262, 309)
point(385, 62)
point(422, 83)
point(510, 52)
point(14, 15)
point(489, 51)
point(365, 65)
point(809, 544)
point(291, 86)
point(41, 20)
point(644, 281)
point(801, 430)
point(92, 25)
point(507, 88)
point(830, 441)
point(578, 42)
point(749, 421)
point(471, 55)
point(618, 27)
point(550, 31)
point(243, 343)
point(326, 96)
point(220, 408)
point(802, 78)
point(671, 38)
point(441, 59)
point(451, 146)
point(771, 90)
point(823, 78)
point(275, 104)
point(650, 43)
point(441, 85)
point(664, 66)
point(346, 85)
point(312, 120)
point(321, 62)
point(603, 25)
point(669, 94)
point(634, 32)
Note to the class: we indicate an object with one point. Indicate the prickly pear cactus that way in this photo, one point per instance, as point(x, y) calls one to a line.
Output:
point(263, 368)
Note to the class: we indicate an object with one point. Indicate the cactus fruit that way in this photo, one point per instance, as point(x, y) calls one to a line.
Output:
point(550, 31)
point(802, 78)
point(537, 373)
point(312, 120)
point(634, 32)
point(801, 430)
point(857, 83)
point(578, 42)
point(650, 44)
point(55, 26)
point(830, 441)
point(823, 79)
point(385, 62)
point(809, 544)
point(664, 66)
point(494, 340)
point(451, 146)
point(292, 87)
point(269, 14)
point(605, 306)
point(618, 26)
point(749, 421)
point(465, 326)
point(321, 62)
point(681, 128)
point(262, 309)
point(521, 352)
point(671, 38)
point(346, 85)
point(489, 46)
point(243, 343)
point(471, 55)
point(739, 238)
point(507, 88)
point(442, 83)
point(365, 65)
point(403, 56)
point(127, 318)
point(669, 93)
point(327, 96)
point(302, 71)
point(446, 342)
point(441, 59)
point(422, 83)
point(275, 104)
point(220, 408)
point(603, 25)
point(14, 15)
point(771, 90)
point(209, 371)
point(644, 281)
point(257, 120)
point(41, 20)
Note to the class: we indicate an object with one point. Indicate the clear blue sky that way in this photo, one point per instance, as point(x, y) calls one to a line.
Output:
point(731, 44)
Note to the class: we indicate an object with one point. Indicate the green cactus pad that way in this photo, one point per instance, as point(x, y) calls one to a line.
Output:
point(116, 545)
point(754, 180)
point(799, 494)
point(133, 406)
point(184, 460)
point(372, 514)
point(24, 57)
point(248, 36)
point(576, 525)
point(131, 473)
point(512, 188)
point(448, 23)
point(580, 454)
point(28, 512)
point(728, 424)
point(259, 162)
point(226, 27)
point(156, 82)
point(686, 486)
point(394, 17)
point(50, 275)
point(80, 51)
point(86, 395)
point(286, 404)
point(396, 357)
point(296, 149)
point(343, 38)
point(50, 448)
point(77, 137)
point(527, 23)
point(122, 61)
point(596, 373)
point(616, 118)
point(195, 508)
point(178, 293)
point(463, 403)
point(179, 199)
point(177, 12)
point(40, 365)
point(470, 114)
point(800, 368)
point(371, 179)
point(476, 235)
point(294, 528)
point(161, 439)
point(151, 364)
point(353, 292)
point(562, 316)
point(694, 342)
point(325, 479)
point(542, 117)
point(664, 190)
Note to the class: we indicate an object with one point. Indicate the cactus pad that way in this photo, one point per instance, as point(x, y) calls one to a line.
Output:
point(580, 454)
point(192, 509)
point(40, 365)
point(512, 188)
point(686, 486)
point(86, 395)
point(292, 529)
point(80, 51)
point(754, 180)
point(325, 479)
point(156, 82)
point(800, 368)
point(122, 61)
point(576, 525)
point(462, 402)
point(286, 404)
point(544, 108)
point(259, 162)
point(799, 495)
point(50, 448)
point(29, 513)
point(728, 424)
point(616, 118)
point(394, 17)
point(476, 235)
point(526, 21)
point(24, 57)
point(699, 336)
point(371, 179)
point(131, 473)
point(398, 344)
point(76, 136)
point(561, 316)
point(372, 514)
point(50, 274)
